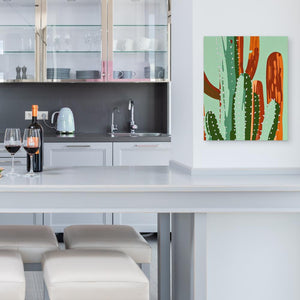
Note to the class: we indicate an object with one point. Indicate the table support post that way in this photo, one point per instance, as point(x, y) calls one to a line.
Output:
point(164, 278)
point(189, 257)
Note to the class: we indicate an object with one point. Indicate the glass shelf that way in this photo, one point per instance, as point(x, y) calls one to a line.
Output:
point(74, 25)
point(145, 25)
point(71, 52)
point(144, 51)
point(25, 25)
point(18, 52)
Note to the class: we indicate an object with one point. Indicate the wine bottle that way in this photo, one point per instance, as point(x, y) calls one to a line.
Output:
point(38, 158)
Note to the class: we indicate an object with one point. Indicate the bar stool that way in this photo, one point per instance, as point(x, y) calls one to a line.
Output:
point(32, 241)
point(110, 237)
point(12, 278)
point(93, 275)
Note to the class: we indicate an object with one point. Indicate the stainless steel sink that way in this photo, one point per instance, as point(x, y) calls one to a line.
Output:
point(137, 134)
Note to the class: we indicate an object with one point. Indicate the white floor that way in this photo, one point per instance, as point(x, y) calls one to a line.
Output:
point(34, 280)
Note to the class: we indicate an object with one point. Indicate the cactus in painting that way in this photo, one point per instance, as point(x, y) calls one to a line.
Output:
point(212, 127)
point(242, 111)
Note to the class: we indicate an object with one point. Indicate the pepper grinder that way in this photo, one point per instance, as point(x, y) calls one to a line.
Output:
point(18, 70)
point(24, 75)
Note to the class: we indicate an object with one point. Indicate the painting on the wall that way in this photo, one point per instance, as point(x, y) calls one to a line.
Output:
point(245, 88)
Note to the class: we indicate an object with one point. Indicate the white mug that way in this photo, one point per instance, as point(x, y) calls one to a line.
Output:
point(153, 44)
point(143, 44)
point(128, 45)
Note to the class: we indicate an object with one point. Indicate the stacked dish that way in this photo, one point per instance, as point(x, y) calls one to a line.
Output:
point(88, 74)
point(58, 73)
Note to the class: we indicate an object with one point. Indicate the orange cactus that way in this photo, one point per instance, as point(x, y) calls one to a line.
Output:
point(257, 88)
point(275, 86)
point(253, 56)
point(210, 89)
point(240, 50)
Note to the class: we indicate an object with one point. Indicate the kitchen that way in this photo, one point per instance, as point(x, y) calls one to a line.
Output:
point(92, 103)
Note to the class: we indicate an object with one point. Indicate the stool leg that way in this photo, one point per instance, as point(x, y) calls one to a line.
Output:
point(146, 269)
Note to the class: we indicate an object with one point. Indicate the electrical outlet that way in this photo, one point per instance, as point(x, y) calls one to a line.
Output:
point(28, 115)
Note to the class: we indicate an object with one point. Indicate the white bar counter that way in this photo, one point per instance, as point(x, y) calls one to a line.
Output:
point(162, 190)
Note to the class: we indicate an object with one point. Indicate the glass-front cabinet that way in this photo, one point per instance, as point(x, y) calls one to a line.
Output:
point(18, 40)
point(84, 40)
point(140, 40)
point(73, 40)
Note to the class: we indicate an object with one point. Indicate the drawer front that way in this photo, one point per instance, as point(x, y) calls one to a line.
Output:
point(77, 155)
point(19, 161)
point(141, 154)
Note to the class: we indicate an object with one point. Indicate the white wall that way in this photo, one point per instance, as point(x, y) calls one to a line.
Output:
point(249, 256)
point(231, 17)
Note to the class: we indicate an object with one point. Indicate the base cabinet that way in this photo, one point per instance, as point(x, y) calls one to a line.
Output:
point(140, 154)
point(77, 155)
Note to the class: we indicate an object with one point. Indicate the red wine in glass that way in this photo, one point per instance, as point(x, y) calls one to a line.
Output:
point(12, 149)
point(31, 144)
point(31, 150)
point(12, 143)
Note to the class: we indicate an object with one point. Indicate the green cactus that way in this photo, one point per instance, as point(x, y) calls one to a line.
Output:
point(243, 107)
point(227, 47)
point(270, 123)
point(256, 111)
point(212, 127)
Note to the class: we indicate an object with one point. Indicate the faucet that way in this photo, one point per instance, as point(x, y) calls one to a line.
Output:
point(132, 126)
point(114, 127)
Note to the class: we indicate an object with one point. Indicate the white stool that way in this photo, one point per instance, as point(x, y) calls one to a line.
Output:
point(93, 275)
point(32, 241)
point(110, 237)
point(12, 278)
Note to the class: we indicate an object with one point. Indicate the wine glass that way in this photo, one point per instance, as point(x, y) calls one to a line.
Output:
point(31, 144)
point(12, 143)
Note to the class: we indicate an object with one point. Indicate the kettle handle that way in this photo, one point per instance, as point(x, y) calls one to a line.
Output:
point(53, 115)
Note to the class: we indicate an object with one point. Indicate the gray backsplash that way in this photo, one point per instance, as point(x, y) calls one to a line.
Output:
point(91, 104)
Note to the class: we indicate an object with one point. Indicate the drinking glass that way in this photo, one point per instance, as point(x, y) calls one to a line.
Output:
point(31, 144)
point(12, 143)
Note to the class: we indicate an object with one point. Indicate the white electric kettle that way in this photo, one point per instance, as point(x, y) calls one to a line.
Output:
point(65, 121)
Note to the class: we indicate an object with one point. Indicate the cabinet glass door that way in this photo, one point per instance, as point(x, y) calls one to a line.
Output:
point(139, 40)
point(17, 40)
point(73, 35)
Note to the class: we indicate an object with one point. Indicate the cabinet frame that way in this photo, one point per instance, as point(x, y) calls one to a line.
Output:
point(107, 47)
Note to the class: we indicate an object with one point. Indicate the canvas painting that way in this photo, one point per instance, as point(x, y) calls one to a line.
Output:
point(245, 88)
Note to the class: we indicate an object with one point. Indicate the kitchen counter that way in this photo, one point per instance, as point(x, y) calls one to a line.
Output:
point(133, 180)
point(163, 190)
point(98, 138)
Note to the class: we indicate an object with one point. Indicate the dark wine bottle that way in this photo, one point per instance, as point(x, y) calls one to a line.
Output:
point(38, 158)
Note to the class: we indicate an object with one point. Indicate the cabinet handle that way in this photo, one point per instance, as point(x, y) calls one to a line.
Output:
point(78, 146)
point(146, 146)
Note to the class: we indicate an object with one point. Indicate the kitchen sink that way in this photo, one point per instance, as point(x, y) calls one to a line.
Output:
point(137, 134)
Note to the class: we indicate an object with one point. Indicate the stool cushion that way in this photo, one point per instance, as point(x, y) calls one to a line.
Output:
point(111, 237)
point(31, 241)
point(12, 278)
point(93, 275)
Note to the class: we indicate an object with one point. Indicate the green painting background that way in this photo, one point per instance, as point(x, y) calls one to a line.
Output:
point(268, 44)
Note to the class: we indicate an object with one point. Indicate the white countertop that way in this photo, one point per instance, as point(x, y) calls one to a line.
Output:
point(144, 179)
point(147, 189)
